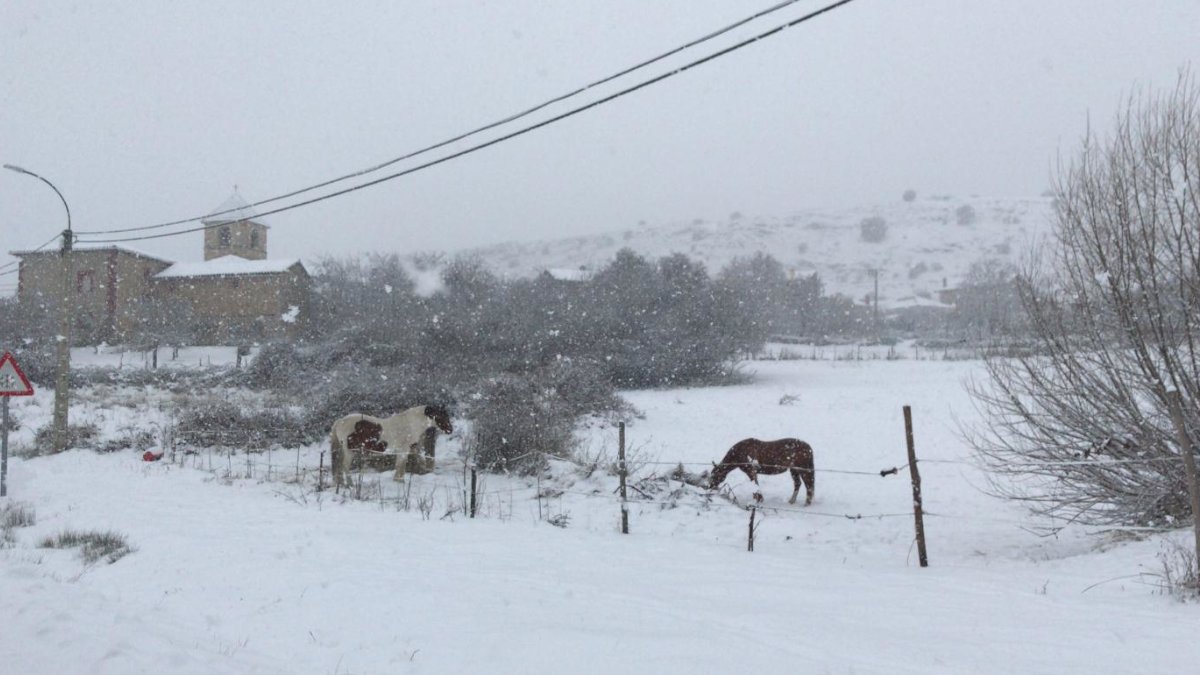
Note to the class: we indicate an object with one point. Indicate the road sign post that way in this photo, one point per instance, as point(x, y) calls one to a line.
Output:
point(12, 383)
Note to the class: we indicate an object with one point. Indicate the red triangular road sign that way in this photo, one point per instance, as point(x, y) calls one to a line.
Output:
point(12, 381)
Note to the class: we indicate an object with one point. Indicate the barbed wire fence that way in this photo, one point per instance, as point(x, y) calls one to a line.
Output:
point(235, 454)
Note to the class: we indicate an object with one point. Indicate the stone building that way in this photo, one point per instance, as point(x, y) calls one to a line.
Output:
point(231, 299)
point(107, 285)
point(236, 294)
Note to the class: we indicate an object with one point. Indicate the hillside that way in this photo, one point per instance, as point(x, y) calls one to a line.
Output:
point(924, 249)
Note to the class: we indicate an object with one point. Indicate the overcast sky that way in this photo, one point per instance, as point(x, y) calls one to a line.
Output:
point(143, 112)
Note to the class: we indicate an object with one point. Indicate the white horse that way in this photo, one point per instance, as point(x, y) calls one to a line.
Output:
point(401, 434)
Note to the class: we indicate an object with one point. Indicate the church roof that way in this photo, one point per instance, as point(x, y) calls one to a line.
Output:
point(232, 210)
point(227, 266)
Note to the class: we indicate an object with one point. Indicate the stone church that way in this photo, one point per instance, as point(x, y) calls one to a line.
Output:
point(237, 294)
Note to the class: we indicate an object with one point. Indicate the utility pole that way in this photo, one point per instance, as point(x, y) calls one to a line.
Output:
point(62, 375)
point(875, 302)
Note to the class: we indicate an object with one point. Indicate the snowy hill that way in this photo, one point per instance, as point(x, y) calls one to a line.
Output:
point(927, 245)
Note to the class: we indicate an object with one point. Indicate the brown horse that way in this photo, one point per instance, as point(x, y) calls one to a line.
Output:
point(753, 457)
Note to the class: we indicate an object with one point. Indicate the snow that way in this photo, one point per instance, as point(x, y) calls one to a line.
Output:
point(232, 210)
point(106, 356)
point(226, 265)
point(237, 568)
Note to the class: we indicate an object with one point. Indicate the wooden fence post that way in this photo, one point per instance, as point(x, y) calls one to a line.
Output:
point(473, 484)
point(1189, 464)
point(750, 538)
point(918, 514)
point(321, 473)
point(623, 470)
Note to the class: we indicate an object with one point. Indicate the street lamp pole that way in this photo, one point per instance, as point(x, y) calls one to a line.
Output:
point(63, 346)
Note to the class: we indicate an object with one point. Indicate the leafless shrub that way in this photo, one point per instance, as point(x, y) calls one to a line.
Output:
point(1078, 427)
point(12, 516)
point(17, 514)
point(425, 504)
point(1179, 573)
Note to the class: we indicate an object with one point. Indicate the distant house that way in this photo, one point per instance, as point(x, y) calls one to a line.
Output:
point(108, 284)
point(236, 294)
point(231, 298)
point(567, 274)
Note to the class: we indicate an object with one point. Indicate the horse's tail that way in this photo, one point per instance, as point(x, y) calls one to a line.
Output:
point(808, 473)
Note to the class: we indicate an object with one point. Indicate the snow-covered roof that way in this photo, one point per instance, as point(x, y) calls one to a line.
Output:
point(87, 248)
point(233, 210)
point(567, 274)
point(225, 266)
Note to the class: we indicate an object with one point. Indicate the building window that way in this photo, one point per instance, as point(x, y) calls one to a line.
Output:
point(253, 238)
point(225, 236)
point(85, 282)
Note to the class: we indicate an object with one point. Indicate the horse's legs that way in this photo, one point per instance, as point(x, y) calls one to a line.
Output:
point(749, 470)
point(335, 467)
point(401, 465)
point(809, 479)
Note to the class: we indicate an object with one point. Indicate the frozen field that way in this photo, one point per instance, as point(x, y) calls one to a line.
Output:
point(240, 566)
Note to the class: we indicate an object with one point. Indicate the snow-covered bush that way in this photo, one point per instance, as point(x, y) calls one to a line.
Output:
point(516, 421)
point(910, 195)
point(964, 215)
point(221, 423)
point(872, 229)
point(519, 419)
point(78, 436)
point(129, 439)
point(277, 364)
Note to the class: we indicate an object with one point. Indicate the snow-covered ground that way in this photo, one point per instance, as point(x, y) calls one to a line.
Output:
point(239, 567)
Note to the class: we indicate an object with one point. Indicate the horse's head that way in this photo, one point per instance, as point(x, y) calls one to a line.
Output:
point(719, 472)
point(439, 416)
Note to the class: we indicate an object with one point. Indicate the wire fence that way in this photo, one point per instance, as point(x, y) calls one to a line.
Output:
point(233, 457)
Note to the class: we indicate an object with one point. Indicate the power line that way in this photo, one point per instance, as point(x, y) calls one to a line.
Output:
point(473, 132)
point(520, 132)
point(18, 261)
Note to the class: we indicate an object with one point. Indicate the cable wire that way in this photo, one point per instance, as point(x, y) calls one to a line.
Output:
point(486, 127)
point(475, 148)
point(18, 260)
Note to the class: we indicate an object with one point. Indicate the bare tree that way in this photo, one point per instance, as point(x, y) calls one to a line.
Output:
point(988, 306)
point(1080, 428)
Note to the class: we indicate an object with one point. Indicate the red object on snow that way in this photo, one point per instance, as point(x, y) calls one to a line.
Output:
point(151, 456)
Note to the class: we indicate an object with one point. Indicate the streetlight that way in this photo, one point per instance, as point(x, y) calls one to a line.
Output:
point(63, 348)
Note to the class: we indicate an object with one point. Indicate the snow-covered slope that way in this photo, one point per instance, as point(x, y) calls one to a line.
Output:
point(925, 247)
